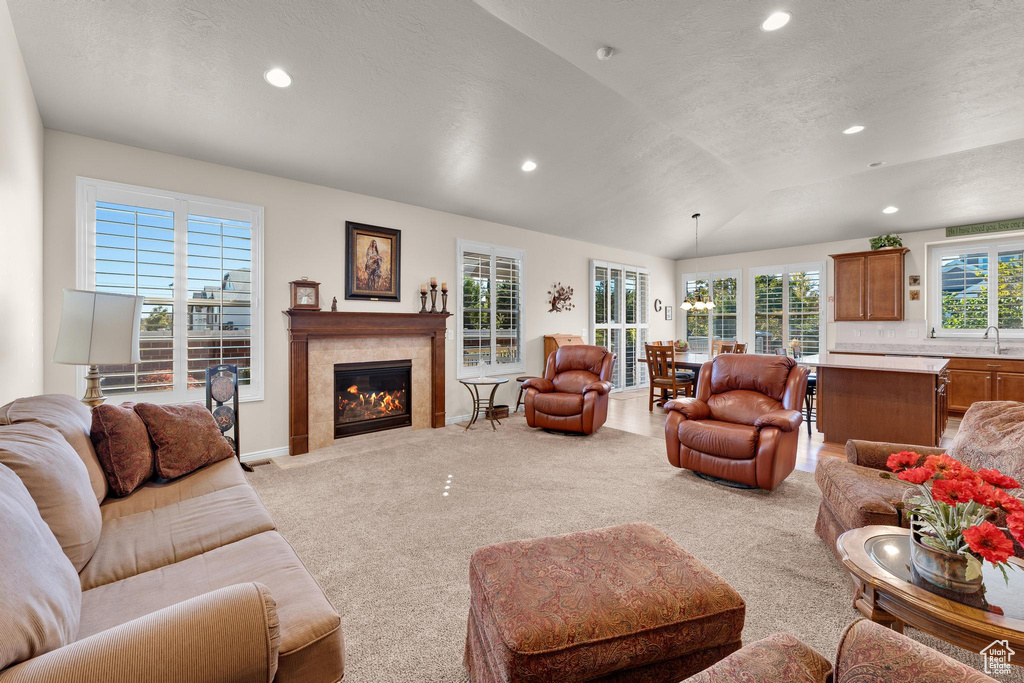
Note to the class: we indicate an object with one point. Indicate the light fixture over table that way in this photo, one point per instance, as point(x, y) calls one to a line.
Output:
point(698, 302)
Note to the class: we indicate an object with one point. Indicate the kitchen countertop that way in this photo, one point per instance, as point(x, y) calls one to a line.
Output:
point(927, 366)
point(939, 349)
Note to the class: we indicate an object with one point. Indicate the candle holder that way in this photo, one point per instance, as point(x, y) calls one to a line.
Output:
point(433, 298)
point(423, 302)
point(444, 301)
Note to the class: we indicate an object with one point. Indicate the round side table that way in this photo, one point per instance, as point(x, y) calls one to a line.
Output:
point(480, 404)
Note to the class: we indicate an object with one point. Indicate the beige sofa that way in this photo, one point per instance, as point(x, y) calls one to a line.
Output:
point(181, 580)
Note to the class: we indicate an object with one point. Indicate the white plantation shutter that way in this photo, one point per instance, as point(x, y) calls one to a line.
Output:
point(977, 285)
point(489, 309)
point(197, 264)
point(787, 308)
point(769, 335)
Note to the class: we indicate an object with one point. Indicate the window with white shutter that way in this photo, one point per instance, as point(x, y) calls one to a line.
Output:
point(787, 309)
point(197, 263)
point(975, 285)
point(489, 309)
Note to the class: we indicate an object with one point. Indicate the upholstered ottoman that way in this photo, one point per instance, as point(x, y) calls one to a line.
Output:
point(623, 603)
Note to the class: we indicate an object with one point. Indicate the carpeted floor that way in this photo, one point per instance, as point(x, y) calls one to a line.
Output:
point(369, 519)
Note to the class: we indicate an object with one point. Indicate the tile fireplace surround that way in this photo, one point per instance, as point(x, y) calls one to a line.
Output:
point(321, 339)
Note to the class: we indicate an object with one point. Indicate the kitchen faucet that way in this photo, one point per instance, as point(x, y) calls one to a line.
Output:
point(985, 336)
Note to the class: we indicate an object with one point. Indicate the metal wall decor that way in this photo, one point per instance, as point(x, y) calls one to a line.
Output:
point(561, 298)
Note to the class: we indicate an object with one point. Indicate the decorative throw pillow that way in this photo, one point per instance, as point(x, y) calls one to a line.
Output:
point(185, 437)
point(122, 445)
point(40, 595)
point(59, 483)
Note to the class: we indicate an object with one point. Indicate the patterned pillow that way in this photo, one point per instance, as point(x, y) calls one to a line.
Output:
point(122, 445)
point(185, 436)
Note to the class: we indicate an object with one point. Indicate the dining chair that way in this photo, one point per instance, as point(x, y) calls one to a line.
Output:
point(720, 346)
point(740, 348)
point(663, 376)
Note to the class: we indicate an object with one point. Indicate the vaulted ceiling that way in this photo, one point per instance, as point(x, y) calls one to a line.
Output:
point(438, 104)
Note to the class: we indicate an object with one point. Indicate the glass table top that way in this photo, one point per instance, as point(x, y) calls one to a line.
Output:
point(892, 553)
point(484, 380)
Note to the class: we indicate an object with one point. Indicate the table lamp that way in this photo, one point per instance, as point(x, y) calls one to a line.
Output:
point(98, 328)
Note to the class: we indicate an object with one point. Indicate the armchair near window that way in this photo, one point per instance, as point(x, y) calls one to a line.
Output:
point(573, 394)
point(743, 425)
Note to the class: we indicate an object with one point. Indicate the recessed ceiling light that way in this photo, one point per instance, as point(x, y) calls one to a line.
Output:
point(776, 21)
point(278, 78)
point(890, 209)
point(529, 166)
point(853, 130)
point(605, 53)
point(876, 164)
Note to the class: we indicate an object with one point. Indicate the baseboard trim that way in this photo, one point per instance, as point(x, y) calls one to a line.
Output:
point(263, 455)
point(456, 419)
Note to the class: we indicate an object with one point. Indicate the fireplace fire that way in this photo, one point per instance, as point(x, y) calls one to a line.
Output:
point(372, 396)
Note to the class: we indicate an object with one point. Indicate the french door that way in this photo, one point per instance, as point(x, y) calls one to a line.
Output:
point(619, 318)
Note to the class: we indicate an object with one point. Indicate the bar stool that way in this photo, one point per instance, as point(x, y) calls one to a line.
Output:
point(812, 388)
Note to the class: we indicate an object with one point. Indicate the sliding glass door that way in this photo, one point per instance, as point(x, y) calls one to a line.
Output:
point(721, 322)
point(619, 318)
point(787, 309)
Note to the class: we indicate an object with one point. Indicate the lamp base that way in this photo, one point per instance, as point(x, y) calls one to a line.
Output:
point(93, 394)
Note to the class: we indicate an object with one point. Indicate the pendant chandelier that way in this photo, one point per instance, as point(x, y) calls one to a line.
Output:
point(697, 303)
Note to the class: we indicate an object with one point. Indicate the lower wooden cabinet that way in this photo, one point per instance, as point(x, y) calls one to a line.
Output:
point(1009, 386)
point(968, 386)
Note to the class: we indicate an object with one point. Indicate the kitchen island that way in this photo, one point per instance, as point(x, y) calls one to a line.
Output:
point(881, 398)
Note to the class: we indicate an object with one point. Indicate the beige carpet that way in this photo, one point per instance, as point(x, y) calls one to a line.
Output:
point(368, 518)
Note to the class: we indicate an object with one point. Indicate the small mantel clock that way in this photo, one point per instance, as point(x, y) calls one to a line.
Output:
point(305, 295)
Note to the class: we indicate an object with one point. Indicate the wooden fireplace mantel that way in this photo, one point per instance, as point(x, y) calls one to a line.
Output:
point(306, 325)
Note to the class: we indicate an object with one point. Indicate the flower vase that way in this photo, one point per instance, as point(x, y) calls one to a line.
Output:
point(944, 569)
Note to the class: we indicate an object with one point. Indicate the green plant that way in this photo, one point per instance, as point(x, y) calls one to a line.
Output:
point(884, 241)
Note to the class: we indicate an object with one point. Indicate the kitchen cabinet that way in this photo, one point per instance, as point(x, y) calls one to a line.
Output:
point(869, 285)
point(1009, 386)
point(984, 379)
point(968, 386)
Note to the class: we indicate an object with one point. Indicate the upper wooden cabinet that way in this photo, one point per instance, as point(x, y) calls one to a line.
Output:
point(869, 285)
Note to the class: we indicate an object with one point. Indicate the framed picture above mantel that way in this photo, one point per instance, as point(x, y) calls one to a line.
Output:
point(373, 262)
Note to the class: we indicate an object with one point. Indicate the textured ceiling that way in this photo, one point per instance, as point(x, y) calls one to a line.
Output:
point(438, 103)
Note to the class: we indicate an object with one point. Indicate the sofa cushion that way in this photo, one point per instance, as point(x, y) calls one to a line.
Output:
point(991, 436)
point(172, 533)
point(312, 645)
point(724, 439)
point(59, 483)
point(557, 403)
point(71, 418)
point(779, 658)
point(40, 597)
point(597, 601)
point(859, 496)
point(160, 492)
point(741, 406)
point(186, 437)
point(122, 446)
point(764, 374)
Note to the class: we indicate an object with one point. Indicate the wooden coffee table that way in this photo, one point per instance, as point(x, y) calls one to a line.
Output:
point(878, 559)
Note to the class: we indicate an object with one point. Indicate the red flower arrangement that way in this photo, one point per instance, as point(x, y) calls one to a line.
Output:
point(953, 505)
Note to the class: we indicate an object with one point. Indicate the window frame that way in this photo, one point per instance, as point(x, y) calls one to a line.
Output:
point(991, 247)
point(711, 276)
point(86, 190)
point(494, 251)
point(642, 321)
point(786, 270)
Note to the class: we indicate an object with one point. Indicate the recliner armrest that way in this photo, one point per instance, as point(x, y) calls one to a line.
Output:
point(874, 454)
point(544, 386)
point(601, 388)
point(692, 408)
point(230, 634)
point(786, 420)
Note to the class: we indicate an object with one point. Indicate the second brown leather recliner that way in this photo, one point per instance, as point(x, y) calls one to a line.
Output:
point(742, 426)
point(573, 394)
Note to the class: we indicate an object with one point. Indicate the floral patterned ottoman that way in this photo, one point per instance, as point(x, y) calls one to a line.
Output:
point(623, 603)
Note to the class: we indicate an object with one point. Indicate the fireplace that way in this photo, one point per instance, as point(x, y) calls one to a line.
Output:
point(369, 397)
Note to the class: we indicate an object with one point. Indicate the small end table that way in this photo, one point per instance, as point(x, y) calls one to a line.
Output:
point(486, 405)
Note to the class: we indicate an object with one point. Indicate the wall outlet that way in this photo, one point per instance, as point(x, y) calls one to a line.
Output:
point(450, 335)
point(879, 332)
point(891, 334)
point(857, 332)
point(583, 333)
point(912, 333)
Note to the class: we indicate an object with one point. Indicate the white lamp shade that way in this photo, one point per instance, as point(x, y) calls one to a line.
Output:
point(98, 328)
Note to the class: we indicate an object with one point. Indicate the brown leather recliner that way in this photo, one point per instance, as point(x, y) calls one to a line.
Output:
point(743, 424)
point(573, 394)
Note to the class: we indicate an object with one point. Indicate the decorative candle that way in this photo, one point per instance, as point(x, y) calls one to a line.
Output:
point(423, 289)
point(444, 286)
point(433, 282)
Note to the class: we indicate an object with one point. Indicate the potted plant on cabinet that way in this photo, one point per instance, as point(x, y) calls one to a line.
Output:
point(951, 510)
point(886, 242)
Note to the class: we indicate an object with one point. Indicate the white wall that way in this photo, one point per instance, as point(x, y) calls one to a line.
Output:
point(21, 224)
point(304, 232)
point(913, 330)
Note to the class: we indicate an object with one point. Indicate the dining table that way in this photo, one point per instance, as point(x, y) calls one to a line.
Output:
point(685, 360)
